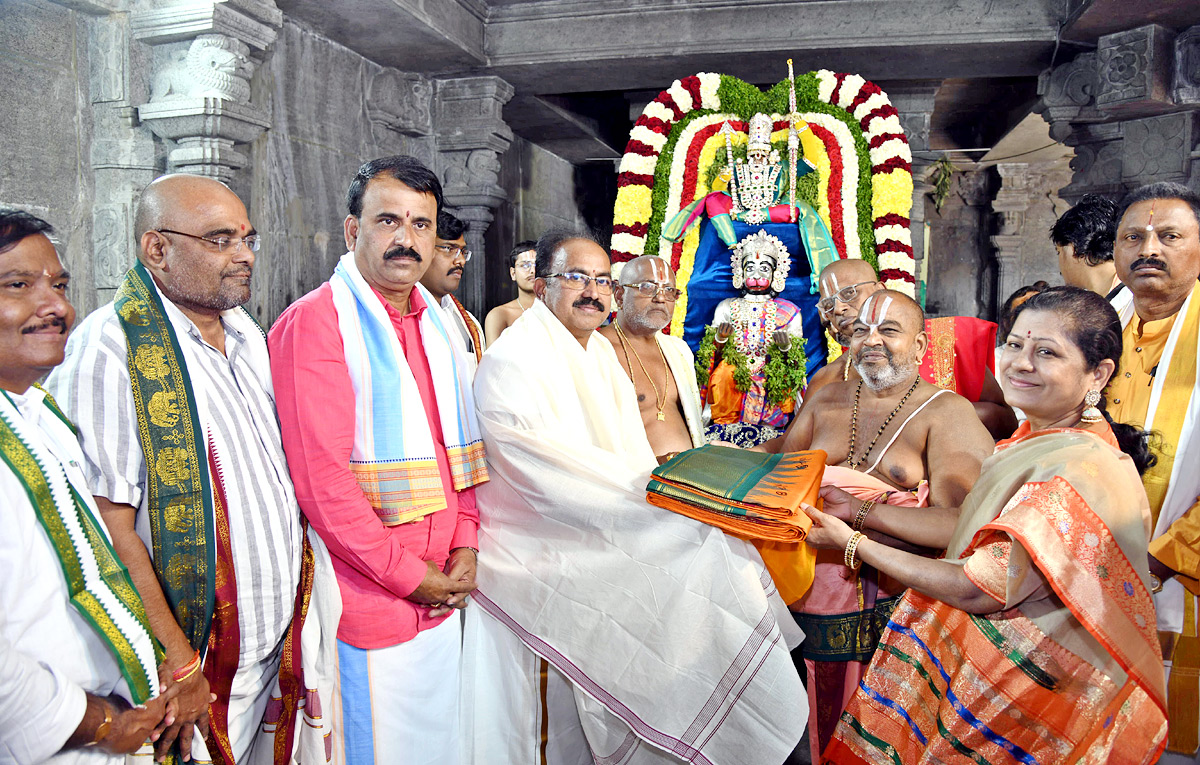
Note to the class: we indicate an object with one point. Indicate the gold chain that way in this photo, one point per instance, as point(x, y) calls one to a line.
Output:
point(854, 423)
point(660, 400)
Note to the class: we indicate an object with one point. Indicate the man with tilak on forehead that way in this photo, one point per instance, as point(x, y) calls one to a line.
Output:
point(891, 437)
point(957, 356)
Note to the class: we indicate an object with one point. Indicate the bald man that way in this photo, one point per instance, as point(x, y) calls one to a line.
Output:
point(186, 463)
point(958, 358)
point(661, 367)
point(889, 436)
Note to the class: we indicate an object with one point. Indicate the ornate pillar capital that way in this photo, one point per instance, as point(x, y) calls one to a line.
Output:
point(200, 92)
point(472, 134)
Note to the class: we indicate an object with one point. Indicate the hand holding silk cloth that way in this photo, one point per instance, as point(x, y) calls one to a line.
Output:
point(753, 496)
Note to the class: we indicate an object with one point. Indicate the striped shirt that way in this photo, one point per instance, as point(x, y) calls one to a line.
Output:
point(236, 409)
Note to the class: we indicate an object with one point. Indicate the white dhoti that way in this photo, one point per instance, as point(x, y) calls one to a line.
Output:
point(393, 698)
point(665, 629)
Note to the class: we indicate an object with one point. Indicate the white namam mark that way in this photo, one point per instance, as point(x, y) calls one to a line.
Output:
point(876, 312)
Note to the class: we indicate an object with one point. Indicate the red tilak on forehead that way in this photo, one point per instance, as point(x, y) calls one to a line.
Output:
point(1150, 222)
point(1028, 334)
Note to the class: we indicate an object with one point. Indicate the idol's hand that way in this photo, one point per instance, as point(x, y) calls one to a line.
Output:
point(783, 340)
point(827, 532)
point(724, 330)
point(840, 504)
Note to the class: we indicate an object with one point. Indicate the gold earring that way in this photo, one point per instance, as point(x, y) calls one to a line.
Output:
point(1091, 412)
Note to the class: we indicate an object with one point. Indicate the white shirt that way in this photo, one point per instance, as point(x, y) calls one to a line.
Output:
point(457, 329)
point(236, 409)
point(49, 655)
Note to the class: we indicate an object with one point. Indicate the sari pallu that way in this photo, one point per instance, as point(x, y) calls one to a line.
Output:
point(1068, 669)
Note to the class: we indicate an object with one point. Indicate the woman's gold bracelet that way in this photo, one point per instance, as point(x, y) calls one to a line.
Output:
point(851, 549)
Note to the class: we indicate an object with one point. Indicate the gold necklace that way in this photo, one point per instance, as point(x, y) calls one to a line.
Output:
point(519, 303)
point(854, 422)
point(660, 400)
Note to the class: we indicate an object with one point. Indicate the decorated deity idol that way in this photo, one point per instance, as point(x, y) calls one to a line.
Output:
point(758, 192)
point(751, 363)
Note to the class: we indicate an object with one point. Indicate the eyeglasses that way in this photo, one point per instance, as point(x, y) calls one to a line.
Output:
point(845, 295)
point(222, 243)
point(650, 289)
point(578, 282)
point(527, 265)
point(454, 251)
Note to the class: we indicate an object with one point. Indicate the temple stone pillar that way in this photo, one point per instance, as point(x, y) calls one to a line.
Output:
point(203, 57)
point(472, 135)
point(915, 103)
point(1129, 110)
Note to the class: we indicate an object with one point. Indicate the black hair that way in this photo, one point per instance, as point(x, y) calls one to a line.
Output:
point(1095, 329)
point(450, 227)
point(549, 243)
point(1090, 227)
point(1006, 311)
point(1162, 190)
point(15, 225)
point(408, 170)
point(518, 248)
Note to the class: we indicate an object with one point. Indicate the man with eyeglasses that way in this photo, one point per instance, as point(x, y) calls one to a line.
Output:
point(605, 624)
point(661, 367)
point(170, 388)
point(520, 270)
point(374, 392)
point(450, 256)
point(959, 358)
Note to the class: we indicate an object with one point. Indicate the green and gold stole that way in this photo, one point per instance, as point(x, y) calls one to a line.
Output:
point(177, 479)
point(98, 583)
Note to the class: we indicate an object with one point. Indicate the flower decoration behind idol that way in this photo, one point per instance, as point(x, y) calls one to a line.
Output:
point(861, 185)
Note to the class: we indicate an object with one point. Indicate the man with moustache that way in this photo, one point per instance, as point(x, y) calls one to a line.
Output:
point(374, 395)
point(661, 367)
point(450, 256)
point(520, 270)
point(960, 349)
point(606, 629)
point(889, 436)
point(76, 653)
point(1157, 255)
point(170, 388)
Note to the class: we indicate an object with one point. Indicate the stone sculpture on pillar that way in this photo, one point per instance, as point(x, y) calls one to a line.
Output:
point(200, 92)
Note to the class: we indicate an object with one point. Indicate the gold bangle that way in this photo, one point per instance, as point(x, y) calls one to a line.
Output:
point(1156, 585)
point(851, 549)
point(861, 517)
point(103, 728)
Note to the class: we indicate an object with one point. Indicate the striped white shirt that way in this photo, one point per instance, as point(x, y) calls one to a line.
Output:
point(236, 409)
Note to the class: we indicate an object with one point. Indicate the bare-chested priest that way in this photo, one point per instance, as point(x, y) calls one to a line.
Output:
point(661, 367)
point(886, 432)
point(960, 347)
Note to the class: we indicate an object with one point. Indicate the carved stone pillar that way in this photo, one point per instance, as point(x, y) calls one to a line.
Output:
point(472, 135)
point(1011, 203)
point(200, 92)
point(1129, 110)
point(915, 102)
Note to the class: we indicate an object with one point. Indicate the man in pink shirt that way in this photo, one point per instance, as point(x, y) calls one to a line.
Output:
point(379, 428)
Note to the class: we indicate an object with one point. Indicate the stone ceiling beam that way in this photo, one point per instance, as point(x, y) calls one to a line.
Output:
point(878, 38)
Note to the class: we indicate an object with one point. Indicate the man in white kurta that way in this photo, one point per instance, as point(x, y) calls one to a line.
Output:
point(65, 689)
point(444, 276)
point(607, 630)
point(197, 252)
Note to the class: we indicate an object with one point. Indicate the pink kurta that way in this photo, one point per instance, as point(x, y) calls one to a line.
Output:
point(377, 566)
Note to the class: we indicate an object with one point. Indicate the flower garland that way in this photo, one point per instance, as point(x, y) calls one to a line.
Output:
point(859, 124)
point(783, 375)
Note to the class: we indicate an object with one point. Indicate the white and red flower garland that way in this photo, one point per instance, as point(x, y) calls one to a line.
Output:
point(890, 191)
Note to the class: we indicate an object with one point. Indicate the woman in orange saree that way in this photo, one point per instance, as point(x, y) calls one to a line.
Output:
point(1033, 640)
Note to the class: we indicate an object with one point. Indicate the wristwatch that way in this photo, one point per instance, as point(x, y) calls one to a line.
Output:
point(103, 728)
point(1155, 584)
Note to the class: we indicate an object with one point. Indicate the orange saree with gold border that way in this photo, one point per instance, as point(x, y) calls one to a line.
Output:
point(1067, 669)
